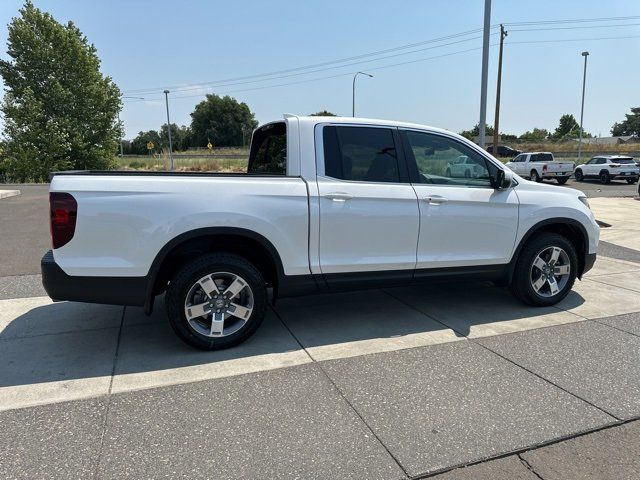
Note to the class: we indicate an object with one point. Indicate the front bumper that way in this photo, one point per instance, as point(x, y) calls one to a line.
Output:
point(109, 290)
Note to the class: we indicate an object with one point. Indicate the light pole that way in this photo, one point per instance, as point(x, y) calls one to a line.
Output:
point(166, 98)
point(584, 81)
point(353, 98)
point(485, 71)
point(121, 148)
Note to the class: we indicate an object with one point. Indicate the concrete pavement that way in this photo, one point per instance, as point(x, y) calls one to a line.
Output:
point(388, 383)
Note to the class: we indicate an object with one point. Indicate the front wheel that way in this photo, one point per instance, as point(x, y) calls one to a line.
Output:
point(545, 270)
point(561, 181)
point(216, 301)
point(579, 175)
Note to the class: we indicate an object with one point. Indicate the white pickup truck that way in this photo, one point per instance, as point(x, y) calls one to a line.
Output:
point(538, 166)
point(328, 204)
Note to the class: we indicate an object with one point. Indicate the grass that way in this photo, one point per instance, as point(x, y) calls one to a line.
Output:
point(220, 160)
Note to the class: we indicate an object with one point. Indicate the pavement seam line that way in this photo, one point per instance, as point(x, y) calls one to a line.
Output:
point(476, 342)
point(341, 394)
point(66, 332)
point(548, 381)
point(531, 448)
point(364, 422)
point(108, 396)
point(614, 327)
point(529, 467)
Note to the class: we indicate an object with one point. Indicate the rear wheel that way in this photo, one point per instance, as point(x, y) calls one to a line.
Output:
point(535, 177)
point(579, 175)
point(545, 270)
point(605, 178)
point(216, 301)
point(561, 181)
point(631, 181)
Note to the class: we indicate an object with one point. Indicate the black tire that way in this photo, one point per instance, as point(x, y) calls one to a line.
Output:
point(605, 178)
point(579, 175)
point(193, 271)
point(535, 177)
point(631, 181)
point(561, 181)
point(521, 284)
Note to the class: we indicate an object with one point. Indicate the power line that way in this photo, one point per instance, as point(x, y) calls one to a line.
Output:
point(575, 20)
point(573, 28)
point(221, 85)
point(316, 65)
point(561, 40)
point(335, 76)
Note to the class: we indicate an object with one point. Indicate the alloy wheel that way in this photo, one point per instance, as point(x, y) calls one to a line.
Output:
point(550, 271)
point(219, 304)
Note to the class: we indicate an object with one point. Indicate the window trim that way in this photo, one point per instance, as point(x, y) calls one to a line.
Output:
point(403, 171)
point(414, 173)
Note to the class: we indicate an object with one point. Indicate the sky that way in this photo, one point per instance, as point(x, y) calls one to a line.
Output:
point(198, 47)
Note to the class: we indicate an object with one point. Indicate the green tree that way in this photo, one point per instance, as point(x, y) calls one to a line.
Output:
point(536, 135)
point(180, 137)
point(221, 120)
point(629, 126)
point(60, 112)
point(475, 131)
point(567, 128)
point(139, 144)
point(323, 113)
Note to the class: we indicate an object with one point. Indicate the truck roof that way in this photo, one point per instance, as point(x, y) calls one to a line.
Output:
point(366, 121)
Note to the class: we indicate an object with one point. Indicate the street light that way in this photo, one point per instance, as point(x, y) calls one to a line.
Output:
point(121, 148)
point(353, 100)
point(584, 81)
point(166, 98)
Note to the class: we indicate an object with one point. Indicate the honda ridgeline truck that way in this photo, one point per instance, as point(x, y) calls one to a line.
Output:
point(327, 204)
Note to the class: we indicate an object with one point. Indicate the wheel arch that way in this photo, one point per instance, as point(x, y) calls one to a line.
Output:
point(569, 228)
point(249, 244)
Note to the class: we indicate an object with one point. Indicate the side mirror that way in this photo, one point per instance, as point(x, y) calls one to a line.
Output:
point(502, 179)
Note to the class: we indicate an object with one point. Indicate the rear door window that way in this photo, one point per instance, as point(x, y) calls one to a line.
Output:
point(361, 154)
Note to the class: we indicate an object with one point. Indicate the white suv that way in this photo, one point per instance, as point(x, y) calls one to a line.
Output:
point(608, 167)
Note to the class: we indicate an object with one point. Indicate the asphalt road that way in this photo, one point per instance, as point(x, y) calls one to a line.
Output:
point(24, 229)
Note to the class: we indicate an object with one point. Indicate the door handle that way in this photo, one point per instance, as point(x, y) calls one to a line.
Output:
point(435, 199)
point(338, 196)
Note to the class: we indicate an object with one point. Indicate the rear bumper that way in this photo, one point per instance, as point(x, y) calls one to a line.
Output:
point(109, 290)
point(557, 174)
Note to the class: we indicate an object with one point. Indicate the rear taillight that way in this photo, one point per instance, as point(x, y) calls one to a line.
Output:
point(544, 168)
point(63, 213)
point(614, 165)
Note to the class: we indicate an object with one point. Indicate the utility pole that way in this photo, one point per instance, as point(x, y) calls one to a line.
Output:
point(485, 71)
point(584, 81)
point(120, 124)
point(166, 98)
point(496, 122)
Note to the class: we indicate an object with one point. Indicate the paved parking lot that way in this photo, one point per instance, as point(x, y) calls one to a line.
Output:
point(392, 383)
